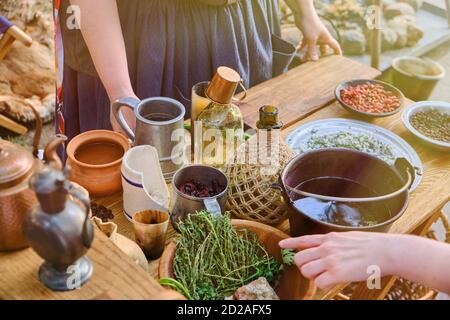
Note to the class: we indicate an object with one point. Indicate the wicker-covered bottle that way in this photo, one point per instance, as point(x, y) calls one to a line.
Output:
point(256, 167)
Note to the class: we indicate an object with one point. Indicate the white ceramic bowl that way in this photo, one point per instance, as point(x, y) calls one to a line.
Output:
point(421, 106)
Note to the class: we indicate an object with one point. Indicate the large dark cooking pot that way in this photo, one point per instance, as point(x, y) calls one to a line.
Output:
point(335, 168)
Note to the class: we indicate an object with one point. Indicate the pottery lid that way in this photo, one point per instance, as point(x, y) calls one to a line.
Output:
point(16, 163)
point(223, 85)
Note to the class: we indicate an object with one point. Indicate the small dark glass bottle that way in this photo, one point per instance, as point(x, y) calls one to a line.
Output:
point(269, 131)
point(268, 118)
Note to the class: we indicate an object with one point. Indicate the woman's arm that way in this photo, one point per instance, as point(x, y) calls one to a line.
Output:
point(100, 26)
point(345, 257)
point(314, 32)
point(422, 260)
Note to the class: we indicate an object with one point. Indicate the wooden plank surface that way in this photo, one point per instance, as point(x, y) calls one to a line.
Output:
point(304, 89)
point(113, 271)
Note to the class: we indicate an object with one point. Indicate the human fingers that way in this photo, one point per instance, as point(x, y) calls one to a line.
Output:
point(323, 50)
point(312, 269)
point(128, 116)
point(306, 256)
point(311, 52)
point(301, 45)
point(333, 44)
point(325, 280)
point(302, 242)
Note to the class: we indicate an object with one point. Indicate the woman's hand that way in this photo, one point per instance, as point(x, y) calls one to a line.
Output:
point(336, 258)
point(316, 38)
point(128, 115)
point(315, 35)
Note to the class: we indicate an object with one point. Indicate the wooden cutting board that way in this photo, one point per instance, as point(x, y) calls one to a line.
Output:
point(314, 84)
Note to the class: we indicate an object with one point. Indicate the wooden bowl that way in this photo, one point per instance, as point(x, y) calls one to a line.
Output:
point(386, 86)
point(291, 285)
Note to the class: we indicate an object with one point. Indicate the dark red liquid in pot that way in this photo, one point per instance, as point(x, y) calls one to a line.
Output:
point(340, 213)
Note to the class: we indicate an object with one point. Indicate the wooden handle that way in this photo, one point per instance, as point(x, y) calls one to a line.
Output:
point(38, 120)
point(12, 125)
point(341, 296)
point(18, 34)
point(12, 34)
point(5, 45)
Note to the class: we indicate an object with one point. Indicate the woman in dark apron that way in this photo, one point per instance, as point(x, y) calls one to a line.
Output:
point(144, 48)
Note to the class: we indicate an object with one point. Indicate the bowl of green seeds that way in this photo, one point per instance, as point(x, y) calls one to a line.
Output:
point(430, 122)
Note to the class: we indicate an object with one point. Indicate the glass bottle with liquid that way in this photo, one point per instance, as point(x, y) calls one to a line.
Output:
point(219, 127)
point(199, 101)
point(269, 139)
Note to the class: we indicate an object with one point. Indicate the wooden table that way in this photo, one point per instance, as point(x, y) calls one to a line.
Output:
point(307, 93)
point(303, 94)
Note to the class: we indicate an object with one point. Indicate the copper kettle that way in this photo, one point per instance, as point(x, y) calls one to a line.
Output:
point(17, 165)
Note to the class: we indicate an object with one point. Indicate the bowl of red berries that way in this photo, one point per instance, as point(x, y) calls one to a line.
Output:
point(371, 98)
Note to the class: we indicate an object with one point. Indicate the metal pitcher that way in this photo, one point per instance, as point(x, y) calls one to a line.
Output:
point(59, 229)
point(159, 123)
point(17, 165)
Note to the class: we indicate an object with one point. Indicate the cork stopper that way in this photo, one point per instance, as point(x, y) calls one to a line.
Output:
point(223, 85)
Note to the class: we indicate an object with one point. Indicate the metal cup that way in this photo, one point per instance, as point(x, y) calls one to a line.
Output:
point(156, 121)
point(184, 204)
point(150, 230)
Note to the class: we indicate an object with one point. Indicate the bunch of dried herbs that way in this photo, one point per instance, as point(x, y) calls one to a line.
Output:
point(213, 259)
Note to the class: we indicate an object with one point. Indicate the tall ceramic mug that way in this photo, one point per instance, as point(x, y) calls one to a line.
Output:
point(159, 123)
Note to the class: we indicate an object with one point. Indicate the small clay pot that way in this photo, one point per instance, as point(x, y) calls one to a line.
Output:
point(99, 179)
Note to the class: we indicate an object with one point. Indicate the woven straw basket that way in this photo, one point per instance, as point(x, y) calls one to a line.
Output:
point(251, 195)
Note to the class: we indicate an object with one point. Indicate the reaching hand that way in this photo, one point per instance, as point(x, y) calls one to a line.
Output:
point(316, 38)
point(336, 258)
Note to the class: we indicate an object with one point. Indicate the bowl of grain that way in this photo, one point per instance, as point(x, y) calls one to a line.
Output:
point(430, 122)
point(369, 98)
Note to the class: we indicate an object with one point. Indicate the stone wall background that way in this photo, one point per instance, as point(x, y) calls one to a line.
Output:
point(28, 73)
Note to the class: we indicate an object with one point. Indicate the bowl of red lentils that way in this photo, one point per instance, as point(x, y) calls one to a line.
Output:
point(372, 98)
point(430, 122)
